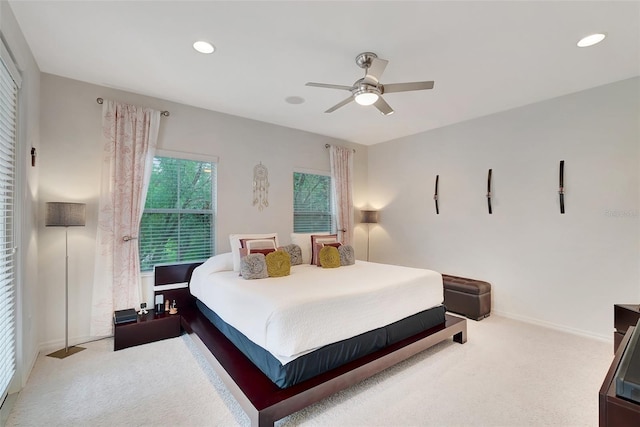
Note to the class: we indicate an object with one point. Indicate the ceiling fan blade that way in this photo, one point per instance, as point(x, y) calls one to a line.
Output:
point(375, 70)
point(330, 86)
point(382, 105)
point(340, 104)
point(405, 87)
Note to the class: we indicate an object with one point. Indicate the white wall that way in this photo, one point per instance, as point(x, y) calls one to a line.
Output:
point(561, 270)
point(564, 271)
point(27, 311)
point(70, 171)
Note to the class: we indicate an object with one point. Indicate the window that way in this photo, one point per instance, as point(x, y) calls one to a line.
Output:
point(9, 84)
point(178, 222)
point(311, 203)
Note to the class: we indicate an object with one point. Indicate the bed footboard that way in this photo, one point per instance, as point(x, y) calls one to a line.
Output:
point(265, 403)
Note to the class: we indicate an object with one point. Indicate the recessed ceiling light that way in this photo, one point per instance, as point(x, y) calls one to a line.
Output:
point(295, 100)
point(203, 47)
point(592, 39)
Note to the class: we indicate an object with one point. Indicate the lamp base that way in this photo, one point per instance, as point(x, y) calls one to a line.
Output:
point(61, 354)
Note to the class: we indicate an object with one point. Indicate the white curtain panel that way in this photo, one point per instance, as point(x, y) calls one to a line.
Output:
point(341, 159)
point(131, 134)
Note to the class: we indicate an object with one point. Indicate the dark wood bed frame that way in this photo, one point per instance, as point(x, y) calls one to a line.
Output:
point(261, 399)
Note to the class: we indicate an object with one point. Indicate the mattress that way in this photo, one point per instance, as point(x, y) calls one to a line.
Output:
point(313, 307)
point(330, 356)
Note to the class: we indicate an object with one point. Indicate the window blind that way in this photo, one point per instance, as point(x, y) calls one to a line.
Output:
point(8, 125)
point(311, 203)
point(178, 222)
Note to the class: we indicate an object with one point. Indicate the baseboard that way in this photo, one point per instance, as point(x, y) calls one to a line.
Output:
point(27, 371)
point(550, 325)
point(5, 408)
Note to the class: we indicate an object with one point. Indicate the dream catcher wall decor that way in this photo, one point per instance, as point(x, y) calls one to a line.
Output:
point(260, 186)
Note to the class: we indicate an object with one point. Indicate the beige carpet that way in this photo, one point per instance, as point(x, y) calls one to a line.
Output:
point(508, 373)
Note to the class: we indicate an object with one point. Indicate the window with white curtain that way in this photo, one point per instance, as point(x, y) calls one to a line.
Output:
point(178, 222)
point(9, 84)
point(312, 209)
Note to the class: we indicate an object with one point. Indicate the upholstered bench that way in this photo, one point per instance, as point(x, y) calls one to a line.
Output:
point(469, 297)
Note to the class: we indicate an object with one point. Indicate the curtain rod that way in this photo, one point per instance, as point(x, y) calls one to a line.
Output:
point(162, 113)
point(329, 145)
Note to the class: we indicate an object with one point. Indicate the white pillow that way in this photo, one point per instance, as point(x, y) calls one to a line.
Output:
point(220, 262)
point(304, 241)
point(234, 240)
point(200, 276)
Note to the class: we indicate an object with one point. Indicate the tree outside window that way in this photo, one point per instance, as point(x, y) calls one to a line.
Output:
point(178, 222)
point(312, 210)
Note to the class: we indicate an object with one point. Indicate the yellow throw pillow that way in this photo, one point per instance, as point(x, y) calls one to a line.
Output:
point(329, 257)
point(278, 263)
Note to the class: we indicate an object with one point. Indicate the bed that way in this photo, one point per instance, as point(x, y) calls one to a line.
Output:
point(281, 344)
point(317, 319)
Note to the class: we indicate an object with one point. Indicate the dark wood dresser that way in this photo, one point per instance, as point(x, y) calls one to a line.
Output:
point(624, 316)
point(615, 411)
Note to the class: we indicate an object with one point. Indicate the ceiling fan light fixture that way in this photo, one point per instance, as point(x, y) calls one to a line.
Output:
point(366, 98)
point(591, 39)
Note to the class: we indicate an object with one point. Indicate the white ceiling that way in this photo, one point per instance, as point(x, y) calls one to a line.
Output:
point(485, 57)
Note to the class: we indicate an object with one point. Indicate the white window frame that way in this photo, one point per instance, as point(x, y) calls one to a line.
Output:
point(11, 305)
point(331, 202)
point(214, 200)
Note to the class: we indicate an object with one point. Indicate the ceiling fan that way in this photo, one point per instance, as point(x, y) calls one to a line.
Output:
point(368, 90)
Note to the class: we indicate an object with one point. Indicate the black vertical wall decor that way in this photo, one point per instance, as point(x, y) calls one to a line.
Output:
point(435, 196)
point(561, 189)
point(489, 191)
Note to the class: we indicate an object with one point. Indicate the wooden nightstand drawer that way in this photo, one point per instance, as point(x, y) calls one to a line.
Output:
point(148, 328)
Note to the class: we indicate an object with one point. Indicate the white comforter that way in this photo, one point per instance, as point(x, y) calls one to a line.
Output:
point(293, 315)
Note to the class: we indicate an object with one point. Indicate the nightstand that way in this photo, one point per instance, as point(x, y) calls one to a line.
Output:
point(147, 328)
point(624, 315)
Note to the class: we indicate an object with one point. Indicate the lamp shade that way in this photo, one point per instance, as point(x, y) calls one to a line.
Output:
point(369, 217)
point(60, 214)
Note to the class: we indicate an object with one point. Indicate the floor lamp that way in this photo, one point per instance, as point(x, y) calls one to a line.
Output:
point(65, 215)
point(369, 217)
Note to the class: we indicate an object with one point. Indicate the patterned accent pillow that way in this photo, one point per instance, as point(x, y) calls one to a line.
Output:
point(278, 264)
point(329, 257)
point(320, 238)
point(319, 247)
point(254, 266)
point(347, 255)
point(295, 253)
point(258, 243)
point(234, 241)
point(244, 252)
point(304, 241)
